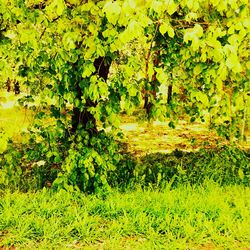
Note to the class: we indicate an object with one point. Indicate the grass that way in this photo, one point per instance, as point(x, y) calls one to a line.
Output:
point(198, 217)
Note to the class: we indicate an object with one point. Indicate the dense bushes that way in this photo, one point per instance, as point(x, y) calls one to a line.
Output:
point(224, 165)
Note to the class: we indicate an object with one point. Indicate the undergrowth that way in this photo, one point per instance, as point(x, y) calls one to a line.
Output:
point(224, 165)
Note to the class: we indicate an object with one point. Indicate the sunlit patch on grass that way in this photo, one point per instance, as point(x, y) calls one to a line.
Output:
point(130, 127)
point(144, 138)
point(13, 121)
point(8, 105)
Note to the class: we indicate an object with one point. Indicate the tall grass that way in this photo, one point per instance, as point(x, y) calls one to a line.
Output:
point(189, 217)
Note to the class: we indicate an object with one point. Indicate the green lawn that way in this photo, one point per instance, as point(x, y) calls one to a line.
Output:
point(201, 217)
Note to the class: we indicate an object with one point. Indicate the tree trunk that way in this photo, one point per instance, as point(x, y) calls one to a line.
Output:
point(16, 87)
point(152, 87)
point(170, 90)
point(85, 118)
point(8, 85)
point(147, 105)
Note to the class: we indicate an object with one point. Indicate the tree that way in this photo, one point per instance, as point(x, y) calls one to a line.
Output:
point(65, 50)
point(66, 53)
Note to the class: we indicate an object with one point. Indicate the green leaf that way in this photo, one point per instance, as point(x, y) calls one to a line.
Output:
point(163, 28)
point(170, 32)
point(103, 88)
point(171, 6)
point(193, 33)
point(134, 30)
point(157, 6)
point(197, 69)
point(233, 63)
point(112, 10)
point(171, 124)
point(213, 42)
point(60, 7)
point(200, 97)
point(241, 174)
point(69, 41)
point(3, 144)
point(88, 69)
point(132, 90)
point(100, 51)
point(195, 43)
point(114, 120)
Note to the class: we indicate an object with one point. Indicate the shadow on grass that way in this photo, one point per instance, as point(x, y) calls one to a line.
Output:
point(226, 165)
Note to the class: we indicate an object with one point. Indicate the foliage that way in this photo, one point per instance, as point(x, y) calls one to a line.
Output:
point(100, 170)
point(225, 165)
point(86, 164)
point(194, 217)
point(68, 51)
point(89, 163)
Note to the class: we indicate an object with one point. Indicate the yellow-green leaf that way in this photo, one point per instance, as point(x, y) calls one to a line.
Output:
point(157, 6)
point(197, 69)
point(112, 10)
point(233, 63)
point(163, 28)
point(171, 6)
point(170, 32)
point(60, 7)
point(193, 34)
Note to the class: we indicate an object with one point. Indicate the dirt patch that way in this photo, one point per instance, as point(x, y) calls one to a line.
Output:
point(145, 138)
